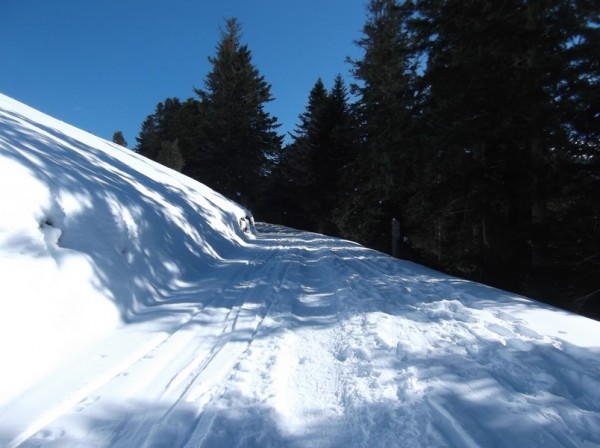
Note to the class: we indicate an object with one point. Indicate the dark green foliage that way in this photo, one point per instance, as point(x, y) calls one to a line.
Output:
point(382, 178)
point(311, 169)
point(119, 139)
point(498, 97)
point(166, 124)
point(237, 139)
point(170, 155)
point(479, 129)
point(148, 140)
point(475, 123)
point(225, 138)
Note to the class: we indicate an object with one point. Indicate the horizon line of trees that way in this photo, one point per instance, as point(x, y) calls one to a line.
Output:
point(475, 124)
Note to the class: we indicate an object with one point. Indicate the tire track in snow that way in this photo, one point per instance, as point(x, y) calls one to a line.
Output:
point(451, 428)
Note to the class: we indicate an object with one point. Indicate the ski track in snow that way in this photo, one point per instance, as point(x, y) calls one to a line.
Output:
point(319, 342)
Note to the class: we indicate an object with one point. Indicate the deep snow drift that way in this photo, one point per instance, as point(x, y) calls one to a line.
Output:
point(135, 312)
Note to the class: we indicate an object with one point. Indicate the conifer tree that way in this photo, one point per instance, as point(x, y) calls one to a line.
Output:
point(119, 139)
point(479, 130)
point(237, 137)
point(163, 125)
point(148, 140)
point(298, 164)
point(381, 175)
point(499, 93)
point(314, 162)
point(343, 141)
point(170, 155)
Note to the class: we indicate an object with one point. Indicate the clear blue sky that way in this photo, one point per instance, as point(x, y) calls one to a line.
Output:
point(103, 65)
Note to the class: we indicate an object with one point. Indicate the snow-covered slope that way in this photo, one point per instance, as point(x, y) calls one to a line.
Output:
point(91, 235)
point(135, 312)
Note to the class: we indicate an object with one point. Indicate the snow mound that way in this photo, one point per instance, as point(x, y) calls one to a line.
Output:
point(91, 235)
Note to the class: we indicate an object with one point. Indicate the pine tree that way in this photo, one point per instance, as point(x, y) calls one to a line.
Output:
point(479, 129)
point(472, 96)
point(314, 163)
point(317, 99)
point(170, 155)
point(301, 161)
point(148, 140)
point(119, 139)
point(572, 229)
point(381, 176)
point(502, 88)
point(340, 148)
point(292, 185)
point(237, 138)
point(164, 125)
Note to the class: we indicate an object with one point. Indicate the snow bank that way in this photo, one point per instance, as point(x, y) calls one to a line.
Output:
point(91, 235)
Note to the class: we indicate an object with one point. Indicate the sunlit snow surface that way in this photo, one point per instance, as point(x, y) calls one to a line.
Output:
point(135, 313)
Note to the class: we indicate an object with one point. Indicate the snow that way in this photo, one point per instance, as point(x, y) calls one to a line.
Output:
point(134, 311)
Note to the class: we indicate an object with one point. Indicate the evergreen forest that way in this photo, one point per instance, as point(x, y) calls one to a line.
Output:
point(474, 125)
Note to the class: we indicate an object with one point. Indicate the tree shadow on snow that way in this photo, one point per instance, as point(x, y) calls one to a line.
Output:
point(134, 228)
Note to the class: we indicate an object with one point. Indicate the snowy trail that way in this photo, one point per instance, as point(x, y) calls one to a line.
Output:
point(163, 362)
point(320, 342)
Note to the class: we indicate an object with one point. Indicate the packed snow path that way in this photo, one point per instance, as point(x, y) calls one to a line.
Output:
point(305, 340)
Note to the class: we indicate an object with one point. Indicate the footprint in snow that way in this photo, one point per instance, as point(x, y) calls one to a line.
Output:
point(500, 330)
point(522, 330)
point(87, 401)
point(344, 353)
point(48, 435)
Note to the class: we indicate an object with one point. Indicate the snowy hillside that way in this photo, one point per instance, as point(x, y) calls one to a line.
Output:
point(134, 311)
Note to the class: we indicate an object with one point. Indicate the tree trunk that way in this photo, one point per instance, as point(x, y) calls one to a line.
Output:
point(538, 204)
point(538, 181)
